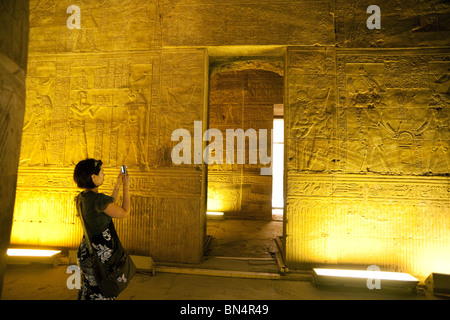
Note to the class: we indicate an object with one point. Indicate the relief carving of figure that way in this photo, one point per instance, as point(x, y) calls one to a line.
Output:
point(313, 130)
point(37, 131)
point(135, 130)
point(365, 90)
point(438, 120)
point(366, 96)
point(79, 113)
point(377, 127)
point(444, 79)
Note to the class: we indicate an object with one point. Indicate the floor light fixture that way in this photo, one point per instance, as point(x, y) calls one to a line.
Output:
point(214, 213)
point(323, 276)
point(26, 256)
point(31, 253)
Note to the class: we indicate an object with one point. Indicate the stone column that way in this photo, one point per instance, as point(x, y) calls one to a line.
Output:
point(13, 65)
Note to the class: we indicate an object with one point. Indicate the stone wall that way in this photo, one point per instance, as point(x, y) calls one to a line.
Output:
point(367, 170)
point(13, 66)
point(366, 122)
point(109, 91)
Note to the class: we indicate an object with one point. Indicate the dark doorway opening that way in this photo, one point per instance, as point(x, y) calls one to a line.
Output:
point(248, 213)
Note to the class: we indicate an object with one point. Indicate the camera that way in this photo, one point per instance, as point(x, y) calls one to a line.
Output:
point(123, 169)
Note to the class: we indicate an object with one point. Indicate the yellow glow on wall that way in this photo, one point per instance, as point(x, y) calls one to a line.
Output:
point(397, 236)
point(45, 219)
point(217, 200)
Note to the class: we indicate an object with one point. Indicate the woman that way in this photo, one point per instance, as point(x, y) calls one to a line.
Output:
point(97, 210)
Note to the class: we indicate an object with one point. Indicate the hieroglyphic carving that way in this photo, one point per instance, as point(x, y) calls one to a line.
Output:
point(157, 182)
point(390, 132)
point(38, 119)
point(391, 116)
point(311, 110)
point(364, 188)
point(181, 93)
point(79, 115)
point(122, 109)
point(393, 112)
point(136, 124)
point(109, 106)
point(311, 127)
point(104, 105)
point(262, 92)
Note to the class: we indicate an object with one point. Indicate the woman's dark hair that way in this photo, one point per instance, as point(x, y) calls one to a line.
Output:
point(83, 172)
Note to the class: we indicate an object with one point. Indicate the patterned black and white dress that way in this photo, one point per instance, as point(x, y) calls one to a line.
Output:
point(105, 243)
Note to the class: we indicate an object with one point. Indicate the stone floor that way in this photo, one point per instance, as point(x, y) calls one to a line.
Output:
point(248, 245)
point(240, 264)
point(44, 282)
point(243, 238)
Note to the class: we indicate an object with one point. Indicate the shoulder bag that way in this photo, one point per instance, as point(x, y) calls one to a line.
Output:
point(110, 283)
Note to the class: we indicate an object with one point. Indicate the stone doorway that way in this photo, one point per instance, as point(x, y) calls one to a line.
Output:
point(244, 96)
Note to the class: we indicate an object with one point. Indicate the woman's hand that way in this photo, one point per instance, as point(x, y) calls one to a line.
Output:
point(123, 211)
point(119, 180)
point(116, 211)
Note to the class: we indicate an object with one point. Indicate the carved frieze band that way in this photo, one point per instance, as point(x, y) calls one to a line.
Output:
point(181, 183)
point(362, 188)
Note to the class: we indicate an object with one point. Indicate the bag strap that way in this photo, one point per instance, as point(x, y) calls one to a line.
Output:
point(100, 272)
point(86, 235)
